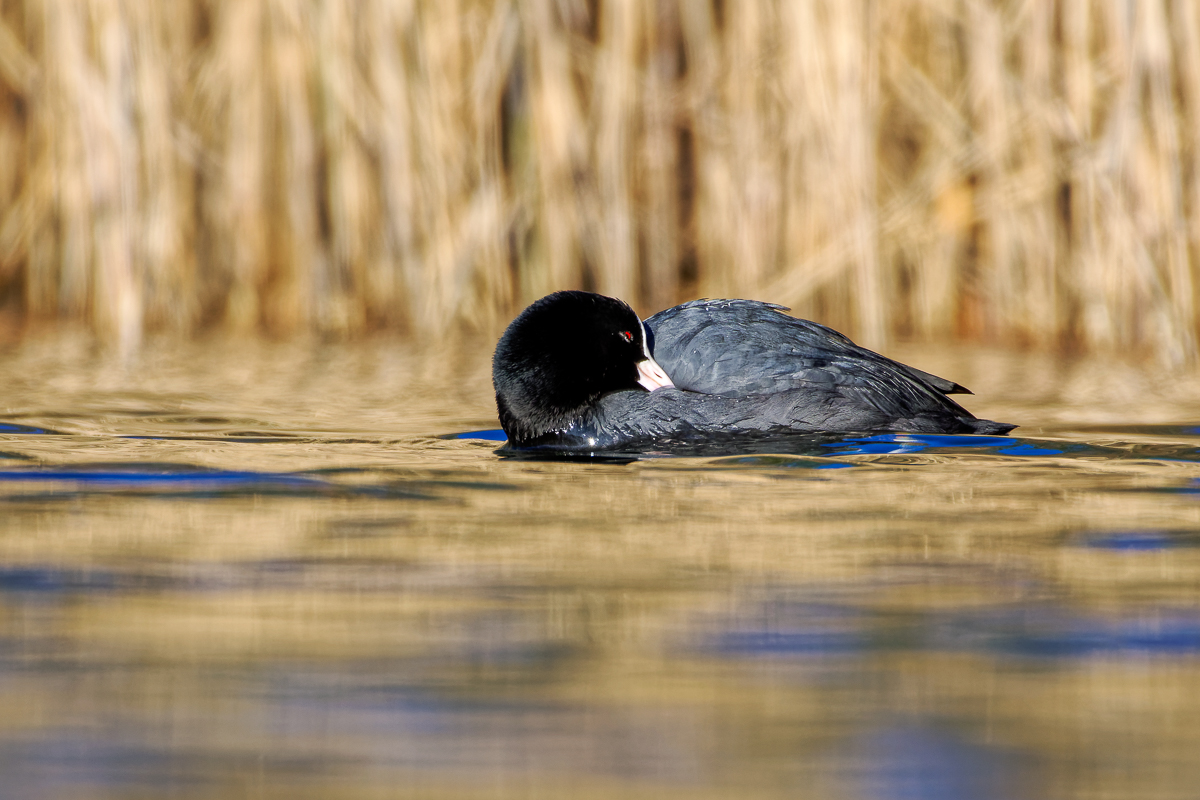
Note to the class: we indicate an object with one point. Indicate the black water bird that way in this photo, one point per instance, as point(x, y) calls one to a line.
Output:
point(578, 371)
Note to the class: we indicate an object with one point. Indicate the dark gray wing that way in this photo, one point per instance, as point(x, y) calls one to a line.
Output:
point(742, 348)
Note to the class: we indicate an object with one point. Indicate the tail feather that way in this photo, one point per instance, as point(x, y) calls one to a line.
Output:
point(986, 427)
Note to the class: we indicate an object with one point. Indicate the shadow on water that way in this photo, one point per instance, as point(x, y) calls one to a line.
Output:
point(834, 446)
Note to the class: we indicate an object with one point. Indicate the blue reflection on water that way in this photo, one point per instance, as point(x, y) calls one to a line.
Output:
point(1139, 541)
point(52, 580)
point(139, 474)
point(921, 762)
point(1081, 637)
point(188, 481)
point(73, 762)
point(493, 435)
point(1029, 450)
point(898, 443)
point(814, 630)
point(862, 447)
point(791, 642)
point(13, 427)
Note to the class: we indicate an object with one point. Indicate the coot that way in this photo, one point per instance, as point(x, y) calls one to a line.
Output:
point(579, 371)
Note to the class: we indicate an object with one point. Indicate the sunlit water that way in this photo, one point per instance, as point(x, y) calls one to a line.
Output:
point(244, 569)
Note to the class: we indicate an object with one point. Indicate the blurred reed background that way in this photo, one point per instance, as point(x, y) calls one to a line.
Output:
point(1021, 172)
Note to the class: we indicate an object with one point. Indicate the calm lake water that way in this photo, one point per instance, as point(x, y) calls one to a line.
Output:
point(242, 569)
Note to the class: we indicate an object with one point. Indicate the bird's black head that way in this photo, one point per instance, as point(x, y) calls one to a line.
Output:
point(561, 355)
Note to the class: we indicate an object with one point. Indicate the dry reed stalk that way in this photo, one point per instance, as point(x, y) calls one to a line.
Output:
point(658, 159)
point(925, 228)
point(613, 117)
point(698, 40)
point(1169, 252)
point(1186, 47)
point(1017, 171)
point(1078, 88)
point(439, 96)
point(490, 218)
point(112, 166)
point(399, 287)
point(235, 209)
point(1040, 240)
point(832, 226)
point(857, 66)
point(298, 260)
point(557, 149)
point(63, 283)
point(750, 189)
point(162, 241)
point(17, 73)
point(990, 110)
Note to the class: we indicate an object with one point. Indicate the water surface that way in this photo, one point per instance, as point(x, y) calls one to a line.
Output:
point(251, 569)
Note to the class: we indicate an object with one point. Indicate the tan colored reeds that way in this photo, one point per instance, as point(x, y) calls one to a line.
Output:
point(1021, 172)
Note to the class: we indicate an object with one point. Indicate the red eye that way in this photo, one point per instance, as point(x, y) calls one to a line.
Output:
point(626, 335)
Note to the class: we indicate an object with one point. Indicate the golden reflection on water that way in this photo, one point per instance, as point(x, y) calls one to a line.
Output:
point(256, 569)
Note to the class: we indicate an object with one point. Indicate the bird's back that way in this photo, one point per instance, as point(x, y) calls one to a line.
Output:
point(746, 348)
